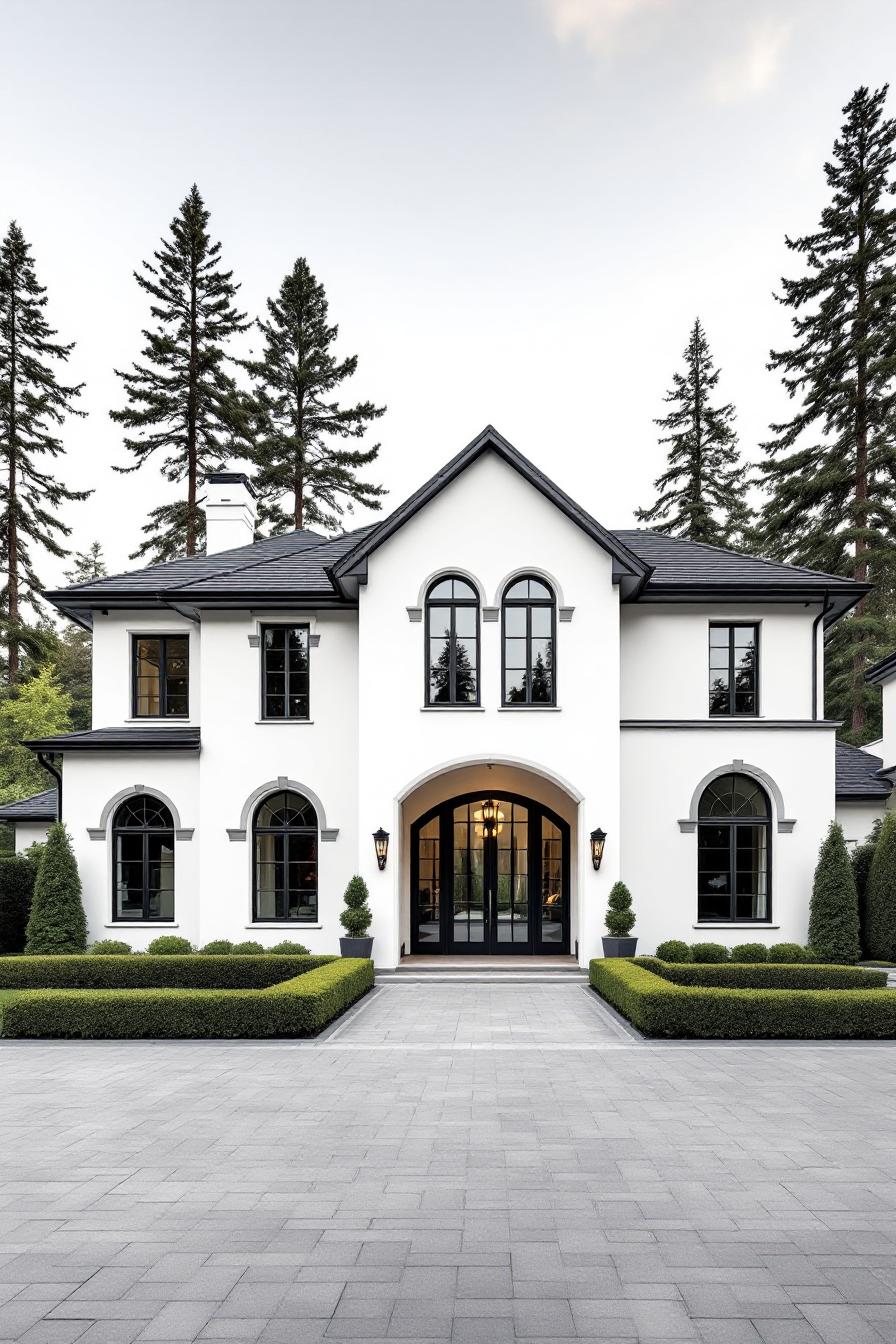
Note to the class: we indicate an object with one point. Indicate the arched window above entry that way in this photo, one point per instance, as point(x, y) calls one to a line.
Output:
point(529, 665)
point(734, 851)
point(452, 642)
point(285, 835)
point(142, 859)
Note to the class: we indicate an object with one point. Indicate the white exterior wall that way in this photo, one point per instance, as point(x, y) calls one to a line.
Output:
point(488, 524)
point(887, 745)
point(113, 664)
point(30, 833)
point(858, 818)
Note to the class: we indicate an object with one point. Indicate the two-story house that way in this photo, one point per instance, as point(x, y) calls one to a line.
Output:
point(530, 705)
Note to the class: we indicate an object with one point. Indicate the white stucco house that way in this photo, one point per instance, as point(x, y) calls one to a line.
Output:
point(491, 677)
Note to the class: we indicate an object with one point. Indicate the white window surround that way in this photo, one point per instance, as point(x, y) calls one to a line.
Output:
point(142, 924)
point(100, 831)
point(283, 924)
point(239, 833)
point(784, 824)
point(740, 924)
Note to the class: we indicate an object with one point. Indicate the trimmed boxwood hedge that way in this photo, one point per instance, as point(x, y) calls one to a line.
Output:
point(196, 971)
point(763, 975)
point(300, 1006)
point(659, 1007)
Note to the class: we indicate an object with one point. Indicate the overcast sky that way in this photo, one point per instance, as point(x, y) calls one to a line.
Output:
point(517, 207)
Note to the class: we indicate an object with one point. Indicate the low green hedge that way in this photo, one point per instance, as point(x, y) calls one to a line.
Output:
point(196, 971)
point(659, 1007)
point(301, 1006)
point(764, 975)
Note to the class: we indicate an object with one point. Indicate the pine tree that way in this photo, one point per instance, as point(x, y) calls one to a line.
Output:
point(830, 468)
point(303, 479)
point(57, 924)
point(701, 494)
point(880, 895)
point(182, 401)
point(834, 906)
point(33, 404)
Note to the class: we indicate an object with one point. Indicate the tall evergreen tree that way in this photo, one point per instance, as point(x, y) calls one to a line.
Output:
point(303, 478)
point(701, 494)
point(182, 401)
point(830, 468)
point(33, 405)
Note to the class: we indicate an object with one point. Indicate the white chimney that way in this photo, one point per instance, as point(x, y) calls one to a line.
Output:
point(230, 511)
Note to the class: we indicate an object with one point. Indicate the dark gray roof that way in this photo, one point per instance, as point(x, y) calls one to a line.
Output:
point(882, 671)
point(310, 568)
point(168, 738)
point(858, 775)
point(40, 807)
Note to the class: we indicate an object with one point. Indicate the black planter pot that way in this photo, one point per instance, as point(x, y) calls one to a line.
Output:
point(617, 947)
point(355, 947)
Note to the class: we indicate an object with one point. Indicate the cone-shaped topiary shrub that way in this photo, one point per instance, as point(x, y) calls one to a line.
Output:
point(218, 947)
point(170, 945)
point(787, 954)
point(673, 949)
point(288, 949)
point(861, 858)
point(620, 919)
point(110, 947)
point(749, 952)
point(356, 916)
point(709, 953)
point(17, 876)
point(880, 897)
point(57, 923)
point(247, 949)
point(834, 908)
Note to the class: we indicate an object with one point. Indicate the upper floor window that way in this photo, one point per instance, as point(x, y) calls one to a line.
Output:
point(284, 833)
point(733, 851)
point(284, 674)
point(143, 860)
point(529, 624)
point(734, 669)
point(452, 643)
point(161, 676)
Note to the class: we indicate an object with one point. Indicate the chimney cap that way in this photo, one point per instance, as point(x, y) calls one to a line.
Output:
point(230, 478)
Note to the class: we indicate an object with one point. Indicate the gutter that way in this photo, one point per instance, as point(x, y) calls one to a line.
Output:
point(46, 762)
point(825, 608)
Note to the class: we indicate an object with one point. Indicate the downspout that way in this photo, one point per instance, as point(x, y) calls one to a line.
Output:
point(48, 765)
point(825, 608)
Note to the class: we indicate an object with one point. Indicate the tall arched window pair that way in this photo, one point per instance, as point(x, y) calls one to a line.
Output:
point(528, 665)
point(284, 869)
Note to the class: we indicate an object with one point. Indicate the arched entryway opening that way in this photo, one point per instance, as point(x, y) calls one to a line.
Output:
point(490, 864)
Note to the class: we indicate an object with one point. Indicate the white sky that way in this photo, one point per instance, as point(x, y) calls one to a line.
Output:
point(517, 207)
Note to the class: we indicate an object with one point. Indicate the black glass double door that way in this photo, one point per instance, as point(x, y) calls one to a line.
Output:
point(490, 875)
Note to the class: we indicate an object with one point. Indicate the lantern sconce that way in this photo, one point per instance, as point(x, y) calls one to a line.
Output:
point(598, 840)
point(381, 845)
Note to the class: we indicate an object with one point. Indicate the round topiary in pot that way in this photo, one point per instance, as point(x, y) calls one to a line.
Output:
point(709, 953)
point(673, 949)
point(110, 947)
point(218, 947)
point(247, 949)
point(288, 949)
point(169, 945)
point(620, 920)
point(356, 919)
point(749, 952)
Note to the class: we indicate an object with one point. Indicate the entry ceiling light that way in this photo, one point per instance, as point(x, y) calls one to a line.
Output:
point(489, 819)
point(381, 845)
point(598, 840)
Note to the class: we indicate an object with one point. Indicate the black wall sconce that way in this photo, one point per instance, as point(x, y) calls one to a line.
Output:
point(598, 840)
point(381, 845)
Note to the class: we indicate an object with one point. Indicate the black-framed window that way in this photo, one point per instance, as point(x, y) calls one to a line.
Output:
point(142, 860)
point(734, 851)
point(733, 669)
point(452, 642)
point(529, 630)
point(285, 677)
point(284, 838)
point(161, 676)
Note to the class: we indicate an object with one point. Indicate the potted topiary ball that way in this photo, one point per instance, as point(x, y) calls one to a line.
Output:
point(355, 919)
point(620, 921)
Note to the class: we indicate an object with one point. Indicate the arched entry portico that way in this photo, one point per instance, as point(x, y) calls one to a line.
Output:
point(489, 862)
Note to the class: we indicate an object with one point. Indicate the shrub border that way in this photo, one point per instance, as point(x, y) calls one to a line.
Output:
point(658, 1006)
point(194, 971)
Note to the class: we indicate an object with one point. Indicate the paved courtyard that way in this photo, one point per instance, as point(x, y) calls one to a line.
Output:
point(455, 1161)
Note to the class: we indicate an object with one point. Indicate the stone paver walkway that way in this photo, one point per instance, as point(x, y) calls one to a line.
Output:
point(420, 1175)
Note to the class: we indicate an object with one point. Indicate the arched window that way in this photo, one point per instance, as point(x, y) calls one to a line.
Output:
point(529, 625)
point(142, 859)
point(452, 642)
point(734, 851)
point(284, 834)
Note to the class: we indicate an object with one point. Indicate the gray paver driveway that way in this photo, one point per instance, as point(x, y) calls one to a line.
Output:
point(454, 1161)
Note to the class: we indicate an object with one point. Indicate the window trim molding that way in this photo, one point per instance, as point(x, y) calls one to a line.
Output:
point(280, 921)
point(100, 831)
point(730, 626)
point(731, 824)
point(263, 717)
point(528, 603)
point(163, 636)
point(781, 822)
point(453, 603)
point(144, 832)
point(238, 833)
